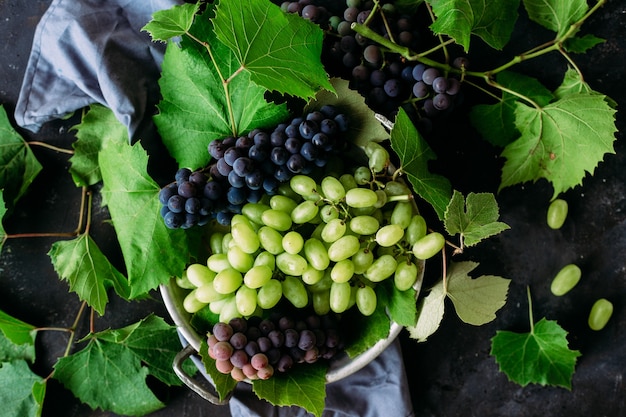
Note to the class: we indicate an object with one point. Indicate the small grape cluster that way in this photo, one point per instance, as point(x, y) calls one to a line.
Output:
point(386, 79)
point(325, 244)
point(255, 348)
point(250, 166)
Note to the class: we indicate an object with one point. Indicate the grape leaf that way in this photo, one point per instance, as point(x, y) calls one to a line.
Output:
point(154, 342)
point(401, 305)
point(98, 125)
point(22, 392)
point(582, 44)
point(194, 108)
point(172, 22)
point(108, 376)
point(491, 20)
point(475, 218)
point(281, 51)
point(475, 300)
point(556, 15)
point(17, 339)
point(414, 154)
point(364, 332)
point(18, 165)
point(496, 122)
point(541, 356)
point(224, 384)
point(429, 313)
point(560, 142)
point(152, 253)
point(304, 386)
point(89, 273)
point(364, 126)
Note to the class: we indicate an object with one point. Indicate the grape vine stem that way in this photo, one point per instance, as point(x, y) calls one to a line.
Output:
point(52, 147)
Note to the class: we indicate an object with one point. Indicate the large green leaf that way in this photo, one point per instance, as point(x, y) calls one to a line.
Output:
point(152, 252)
point(414, 154)
point(172, 22)
point(556, 15)
point(491, 20)
point(195, 110)
point(17, 339)
point(18, 165)
point(560, 142)
point(281, 51)
point(88, 271)
point(541, 356)
point(21, 391)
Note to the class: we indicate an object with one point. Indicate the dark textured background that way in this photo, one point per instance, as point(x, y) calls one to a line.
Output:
point(450, 375)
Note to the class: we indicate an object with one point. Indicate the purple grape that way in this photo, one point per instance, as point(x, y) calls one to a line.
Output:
point(238, 340)
point(222, 331)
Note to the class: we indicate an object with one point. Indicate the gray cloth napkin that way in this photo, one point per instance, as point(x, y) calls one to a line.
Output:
point(92, 51)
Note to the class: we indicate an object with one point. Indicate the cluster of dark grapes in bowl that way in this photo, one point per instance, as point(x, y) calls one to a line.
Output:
point(386, 80)
point(245, 168)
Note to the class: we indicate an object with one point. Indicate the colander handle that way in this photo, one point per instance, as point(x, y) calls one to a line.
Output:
point(179, 359)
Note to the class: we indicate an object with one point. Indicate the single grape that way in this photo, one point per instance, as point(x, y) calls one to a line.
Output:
point(222, 350)
point(392, 87)
point(366, 300)
point(600, 314)
point(373, 54)
point(441, 101)
point(222, 331)
point(565, 279)
point(429, 75)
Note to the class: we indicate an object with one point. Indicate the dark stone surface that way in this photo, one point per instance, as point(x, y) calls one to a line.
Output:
point(452, 374)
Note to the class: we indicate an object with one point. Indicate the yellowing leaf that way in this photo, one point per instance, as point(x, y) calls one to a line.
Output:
point(560, 142)
point(475, 300)
point(429, 313)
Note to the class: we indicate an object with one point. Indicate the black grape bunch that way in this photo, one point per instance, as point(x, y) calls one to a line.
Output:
point(245, 168)
point(386, 80)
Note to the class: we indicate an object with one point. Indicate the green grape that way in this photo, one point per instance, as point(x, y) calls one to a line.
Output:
point(295, 291)
point(402, 214)
point(245, 237)
point(382, 268)
point(362, 211)
point(328, 212)
point(227, 281)
point(362, 260)
point(416, 229)
point(364, 225)
point(321, 302)
point(333, 189)
point(565, 279)
point(269, 294)
point(265, 258)
point(342, 271)
point(405, 275)
point(389, 235)
point(282, 203)
point(239, 218)
point(348, 182)
point(191, 304)
point(343, 248)
point(285, 189)
point(395, 188)
point(293, 242)
point(199, 274)
point(218, 262)
point(352, 299)
point(271, 240)
point(208, 294)
point(303, 185)
point(316, 253)
point(557, 213)
point(229, 310)
point(304, 212)
point(378, 156)
point(215, 242)
point(277, 219)
point(216, 306)
point(254, 211)
point(378, 215)
point(366, 300)
point(257, 276)
point(245, 299)
point(333, 230)
point(600, 313)
point(362, 175)
point(382, 199)
point(227, 241)
point(291, 264)
point(323, 284)
point(361, 197)
point(339, 297)
point(429, 245)
point(240, 260)
point(183, 282)
point(312, 276)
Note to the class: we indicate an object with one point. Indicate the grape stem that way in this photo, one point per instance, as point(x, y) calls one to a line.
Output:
point(54, 148)
point(530, 310)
